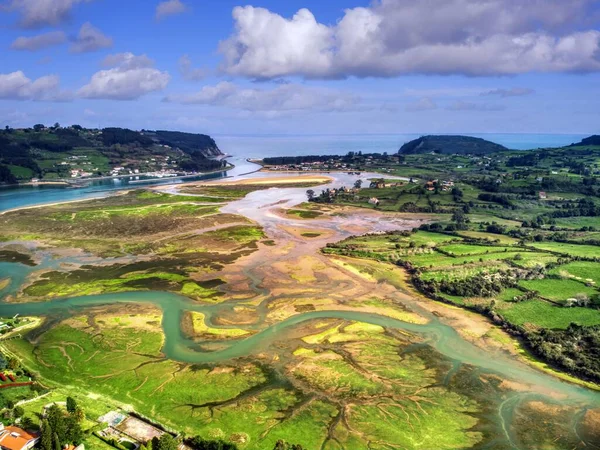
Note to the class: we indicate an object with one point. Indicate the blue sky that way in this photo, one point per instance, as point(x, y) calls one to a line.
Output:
point(273, 67)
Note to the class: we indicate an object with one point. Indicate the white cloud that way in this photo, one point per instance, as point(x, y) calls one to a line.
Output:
point(16, 86)
point(286, 97)
point(512, 92)
point(396, 37)
point(190, 73)
point(424, 104)
point(127, 61)
point(39, 42)
point(90, 39)
point(169, 8)
point(40, 13)
point(129, 78)
point(461, 105)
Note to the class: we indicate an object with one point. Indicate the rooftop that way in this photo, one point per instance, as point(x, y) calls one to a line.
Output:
point(14, 438)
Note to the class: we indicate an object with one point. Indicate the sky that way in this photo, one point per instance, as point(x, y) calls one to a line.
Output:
point(310, 67)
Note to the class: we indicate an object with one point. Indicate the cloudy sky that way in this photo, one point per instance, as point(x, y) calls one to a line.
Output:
point(321, 67)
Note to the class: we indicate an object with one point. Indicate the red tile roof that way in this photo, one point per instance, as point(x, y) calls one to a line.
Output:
point(14, 438)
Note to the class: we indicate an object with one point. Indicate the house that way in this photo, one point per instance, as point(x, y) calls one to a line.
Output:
point(14, 438)
point(543, 195)
point(430, 185)
point(374, 201)
point(377, 184)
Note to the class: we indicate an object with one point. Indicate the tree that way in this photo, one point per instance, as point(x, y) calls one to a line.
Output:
point(38, 127)
point(458, 217)
point(73, 432)
point(457, 194)
point(27, 423)
point(310, 194)
point(166, 442)
point(78, 414)
point(56, 445)
point(71, 404)
point(47, 439)
point(13, 363)
point(18, 412)
point(358, 184)
point(283, 445)
point(198, 443)
point(56, 421)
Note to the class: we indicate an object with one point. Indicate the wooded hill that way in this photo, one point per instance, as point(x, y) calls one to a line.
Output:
point(53, 152)
point(450, 145)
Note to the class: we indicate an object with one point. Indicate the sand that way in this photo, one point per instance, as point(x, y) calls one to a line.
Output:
point(298, 179)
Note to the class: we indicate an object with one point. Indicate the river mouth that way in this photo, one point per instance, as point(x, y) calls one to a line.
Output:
point(344, 340)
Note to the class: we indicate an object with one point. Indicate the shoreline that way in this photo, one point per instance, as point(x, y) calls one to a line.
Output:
point(81, 182)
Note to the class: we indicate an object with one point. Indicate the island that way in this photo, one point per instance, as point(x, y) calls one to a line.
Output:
point(451, 144)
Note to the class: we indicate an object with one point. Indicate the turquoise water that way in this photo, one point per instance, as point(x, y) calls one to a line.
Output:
point(18, 197)
point(439, 336)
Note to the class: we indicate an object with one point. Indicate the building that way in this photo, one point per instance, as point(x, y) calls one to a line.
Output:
point(374, 201)
point(14, 438)
point(377, 184)
point(543, 195)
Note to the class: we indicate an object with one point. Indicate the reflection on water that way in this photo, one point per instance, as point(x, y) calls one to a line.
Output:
point(18, 197)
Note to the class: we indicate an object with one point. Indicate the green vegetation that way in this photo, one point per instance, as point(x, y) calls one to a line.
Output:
point(53, 153)
point(451, 145)
point(526, 286)
point(304, 214)
point(99, 362)
point(166, 229)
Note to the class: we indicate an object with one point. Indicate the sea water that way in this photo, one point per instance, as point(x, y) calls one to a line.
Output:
point(295, 145)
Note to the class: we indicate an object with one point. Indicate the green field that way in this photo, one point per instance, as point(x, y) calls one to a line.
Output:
point(115, 360)
point(546, 315)
point(582, 271)
point(585, 251)
point(558, 290)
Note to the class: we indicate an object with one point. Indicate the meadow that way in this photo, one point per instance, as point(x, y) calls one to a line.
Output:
point(459, 257)
point(107, 359)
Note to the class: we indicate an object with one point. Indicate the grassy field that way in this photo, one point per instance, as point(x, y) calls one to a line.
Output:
point(557, 290)
point(585, 251)
point(546, 315)
point(492, 237)
point(111, 359)
point(579, 222)
point(430, 252)
point(582, 271)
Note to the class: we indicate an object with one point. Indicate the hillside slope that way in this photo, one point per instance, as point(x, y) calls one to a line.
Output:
point(591, 141)
point(450, 145)
point(59, 153)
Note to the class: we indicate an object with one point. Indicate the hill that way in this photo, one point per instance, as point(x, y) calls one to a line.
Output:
point(450, 145)
point(592, 141)
point(74, 152)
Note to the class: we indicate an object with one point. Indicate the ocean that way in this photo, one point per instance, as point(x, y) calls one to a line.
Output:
point(249, 146)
